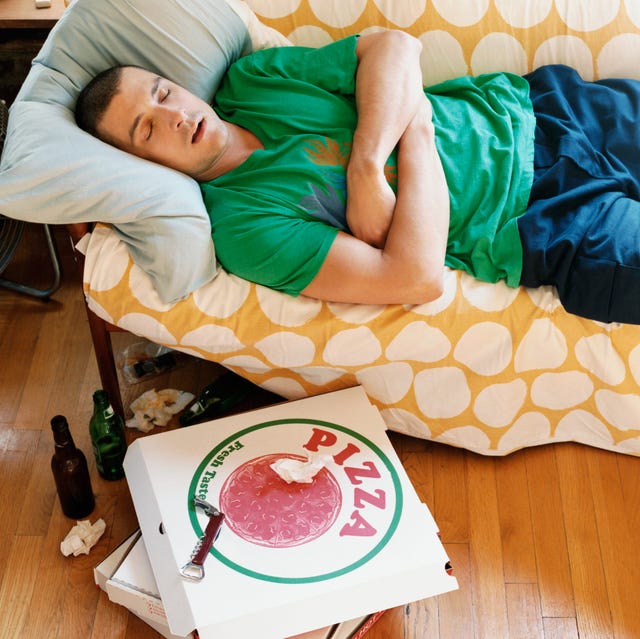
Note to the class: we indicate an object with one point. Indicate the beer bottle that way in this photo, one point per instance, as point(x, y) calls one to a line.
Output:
point(217, 398)
point(70, 472)
point(107, 436)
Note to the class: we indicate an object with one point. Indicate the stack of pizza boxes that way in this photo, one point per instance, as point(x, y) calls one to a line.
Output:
point(318, 526)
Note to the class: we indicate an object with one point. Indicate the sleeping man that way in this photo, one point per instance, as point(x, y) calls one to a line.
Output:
point(332, 173)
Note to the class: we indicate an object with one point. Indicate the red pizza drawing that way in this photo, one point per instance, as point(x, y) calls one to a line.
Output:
point(262, 508)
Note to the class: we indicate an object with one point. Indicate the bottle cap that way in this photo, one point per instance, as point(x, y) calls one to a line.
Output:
point(59, 423)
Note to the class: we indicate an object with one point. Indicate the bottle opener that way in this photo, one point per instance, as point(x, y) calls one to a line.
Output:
point(194, 569)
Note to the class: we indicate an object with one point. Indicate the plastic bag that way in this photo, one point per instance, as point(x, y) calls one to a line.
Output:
point(144, 360)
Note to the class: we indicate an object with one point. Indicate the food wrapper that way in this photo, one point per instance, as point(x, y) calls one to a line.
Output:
point(156, 408)
point(302, 472)
point(82, 538)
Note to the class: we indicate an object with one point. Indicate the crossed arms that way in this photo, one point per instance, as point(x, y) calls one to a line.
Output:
point(397, 250)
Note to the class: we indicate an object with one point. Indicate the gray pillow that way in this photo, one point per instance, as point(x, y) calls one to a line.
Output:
point(53, 172)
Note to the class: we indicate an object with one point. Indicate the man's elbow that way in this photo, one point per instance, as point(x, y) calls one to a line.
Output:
point(427, 286)
point(403, 41)
point(400, 42)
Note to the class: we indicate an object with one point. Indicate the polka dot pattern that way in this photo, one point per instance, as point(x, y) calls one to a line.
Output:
point(597, 37)
point(484, 367)
point(475, 375)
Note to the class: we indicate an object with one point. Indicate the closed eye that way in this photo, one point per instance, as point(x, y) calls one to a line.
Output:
point(162, 96)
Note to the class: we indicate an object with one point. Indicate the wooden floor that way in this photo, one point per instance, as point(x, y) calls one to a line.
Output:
point(545, 543)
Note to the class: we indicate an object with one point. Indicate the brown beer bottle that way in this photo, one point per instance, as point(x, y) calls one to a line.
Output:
point(70, 472)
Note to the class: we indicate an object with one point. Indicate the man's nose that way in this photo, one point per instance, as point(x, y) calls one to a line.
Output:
point(175, 117)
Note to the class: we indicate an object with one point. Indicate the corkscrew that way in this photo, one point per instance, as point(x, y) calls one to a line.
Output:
point(194, 568)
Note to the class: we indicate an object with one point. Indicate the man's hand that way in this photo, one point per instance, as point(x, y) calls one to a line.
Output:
point(370, 203)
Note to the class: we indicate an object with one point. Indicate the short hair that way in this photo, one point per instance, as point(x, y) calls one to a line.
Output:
point(95, 98)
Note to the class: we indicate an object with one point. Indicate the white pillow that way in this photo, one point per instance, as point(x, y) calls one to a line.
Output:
point(53, 172)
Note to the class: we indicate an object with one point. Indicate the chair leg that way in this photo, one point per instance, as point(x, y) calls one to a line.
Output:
point(105, 359)
point(55, 264)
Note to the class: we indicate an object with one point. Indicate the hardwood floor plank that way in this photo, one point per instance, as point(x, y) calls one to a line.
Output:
point(38, 492)
point(22, 320)
point(451, 506)
point(629, 468)
point(523, 605)
point(15, 469)
point(22, 441)
point(485, 545)
point(75, 387)
point(117, 511)
point(455, 609)
point(45, 613)
point(419, 469)
point(33, 409)
point(560, 628)
point(550, 539)
point(518, 547)
point(110, 621)
point(19, 582)
point(138, 629)
point(587, 571)
point(617, 542)
point(81, 598)
point(389, 626)
point(422, 619)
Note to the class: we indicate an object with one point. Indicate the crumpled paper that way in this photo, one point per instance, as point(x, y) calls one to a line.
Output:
point(82, 538)
point(296, 470)
point(156, 408)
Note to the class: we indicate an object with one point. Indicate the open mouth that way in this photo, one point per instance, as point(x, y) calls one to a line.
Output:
point(199, 132)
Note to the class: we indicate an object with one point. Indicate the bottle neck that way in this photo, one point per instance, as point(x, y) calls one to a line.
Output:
point(61, 433)
point(63, 442)
point(101, 405)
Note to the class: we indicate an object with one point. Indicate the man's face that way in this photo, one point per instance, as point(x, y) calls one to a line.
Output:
point(160, 121)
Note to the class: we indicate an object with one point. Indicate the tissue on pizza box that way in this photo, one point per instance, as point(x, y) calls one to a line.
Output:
point(290, 557)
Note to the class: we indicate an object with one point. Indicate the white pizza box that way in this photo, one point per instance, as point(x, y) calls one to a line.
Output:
point(290, 557)
point(126, 576)
point(105, 569)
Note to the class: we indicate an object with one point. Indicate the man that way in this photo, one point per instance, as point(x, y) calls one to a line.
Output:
point(329, 173)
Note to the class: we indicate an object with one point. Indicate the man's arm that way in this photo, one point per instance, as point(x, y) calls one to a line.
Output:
point(409, 268)
point(388, 94)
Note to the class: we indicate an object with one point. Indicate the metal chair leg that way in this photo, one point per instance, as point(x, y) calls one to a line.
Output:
point(11, 233)
point(55, 264)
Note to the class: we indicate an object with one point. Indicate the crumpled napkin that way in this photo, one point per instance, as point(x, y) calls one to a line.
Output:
point(82, 538)
point(156, 408)
point(296, 470)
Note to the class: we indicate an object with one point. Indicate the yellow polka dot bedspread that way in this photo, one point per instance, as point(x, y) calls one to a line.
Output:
point(485, 367)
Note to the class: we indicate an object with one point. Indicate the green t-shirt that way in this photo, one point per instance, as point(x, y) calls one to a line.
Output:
point(274, 217)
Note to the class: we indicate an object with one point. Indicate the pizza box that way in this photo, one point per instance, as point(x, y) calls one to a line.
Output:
point(105, 569)
point(290, 557)
point(126, 576)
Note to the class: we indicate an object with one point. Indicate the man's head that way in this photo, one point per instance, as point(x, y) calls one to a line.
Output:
point(149, 116)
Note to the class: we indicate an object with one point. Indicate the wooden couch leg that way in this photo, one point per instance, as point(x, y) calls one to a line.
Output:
point(99, 328)
point(105, 359)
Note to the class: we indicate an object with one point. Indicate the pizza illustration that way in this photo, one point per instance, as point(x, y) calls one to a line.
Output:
point(295, 532)
point(263, 509)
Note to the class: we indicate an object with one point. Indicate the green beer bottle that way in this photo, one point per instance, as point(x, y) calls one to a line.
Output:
point(107, 436)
